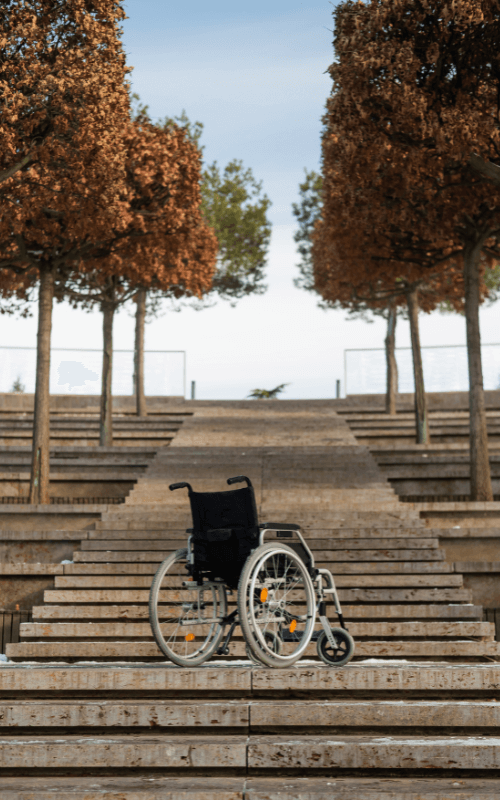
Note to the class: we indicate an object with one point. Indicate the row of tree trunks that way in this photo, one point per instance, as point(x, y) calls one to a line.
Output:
point(40, 462)
point(480, 476)
point(480, 473)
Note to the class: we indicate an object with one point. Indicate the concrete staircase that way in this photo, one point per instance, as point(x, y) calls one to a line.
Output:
point(366, 732)
point(437, 472)
point(413, 717)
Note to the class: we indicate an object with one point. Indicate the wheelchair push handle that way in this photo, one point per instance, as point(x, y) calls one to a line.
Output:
point(180, 486)
point(239, 479)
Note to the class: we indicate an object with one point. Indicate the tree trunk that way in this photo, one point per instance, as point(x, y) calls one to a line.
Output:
point(480, 476)
point(392, 367)
point(106, 421)
point(140, 321)
point(40, 459)
point(421, 416)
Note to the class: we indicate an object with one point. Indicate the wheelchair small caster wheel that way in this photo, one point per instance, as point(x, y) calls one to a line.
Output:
point(342, 654)
point(273, 642)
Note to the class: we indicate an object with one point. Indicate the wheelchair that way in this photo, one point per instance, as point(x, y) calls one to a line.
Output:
point(280, 592)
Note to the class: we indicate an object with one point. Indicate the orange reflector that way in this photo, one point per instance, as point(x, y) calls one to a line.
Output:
point(293, 625)
point(189, 637)
point(263, 595)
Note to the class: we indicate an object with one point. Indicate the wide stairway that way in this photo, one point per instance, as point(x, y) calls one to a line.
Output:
point(413, 716)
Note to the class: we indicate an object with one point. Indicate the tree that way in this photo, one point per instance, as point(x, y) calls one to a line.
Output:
point(52, 57)
point(64, 108)
point(420, 83)
point(231, 206)
point(308, 212)
point(166, 246)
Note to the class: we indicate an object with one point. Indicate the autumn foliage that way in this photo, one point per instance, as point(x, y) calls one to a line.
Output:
point(411, 136)
point(161, 242)
point(90, 199)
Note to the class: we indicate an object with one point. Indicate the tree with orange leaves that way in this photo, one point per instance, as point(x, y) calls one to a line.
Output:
point(418, 84)
point(166, 245)
point(65, 106)
point(61, 67)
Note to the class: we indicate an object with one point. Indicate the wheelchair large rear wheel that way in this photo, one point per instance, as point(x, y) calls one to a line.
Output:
point(276, 602)
point(186, 621)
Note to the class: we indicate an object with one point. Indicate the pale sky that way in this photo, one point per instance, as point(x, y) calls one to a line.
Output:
point(254, 74)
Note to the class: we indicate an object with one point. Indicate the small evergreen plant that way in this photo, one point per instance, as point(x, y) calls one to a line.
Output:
point(268, 394)
point(17, 386)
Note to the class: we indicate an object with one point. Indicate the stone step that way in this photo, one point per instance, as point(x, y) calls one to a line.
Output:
point(46, 535)
point(249, 788)
point(252, 715)
point(134, 650)
point(374, 630)
point(372, 595)
point(147, 564)
point(175, 506)
point(459, 532)
point(322, 559)
point(318, 547)
point(415, 537)
point(129, 516)
point(348, 581)
point(251, 753)
point(401, 680)
point(316, 538)
point(12, 568)
point(94, 474)
point(407, 612)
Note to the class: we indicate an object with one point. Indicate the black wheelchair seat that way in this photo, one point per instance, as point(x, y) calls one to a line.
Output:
point(225, 531)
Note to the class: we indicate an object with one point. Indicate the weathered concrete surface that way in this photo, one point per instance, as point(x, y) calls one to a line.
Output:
point(138, 650)
point(307, 468)
point(338, 788)
point(141, 678)
point(364, 752)
point(86, 630)
point(258, 752)
point(152, 787)
point(250, 714)
point(235, 788)
point(22, 591)
point(433, 678)
point(45, 752)
point(141, 612)
point(147, 714)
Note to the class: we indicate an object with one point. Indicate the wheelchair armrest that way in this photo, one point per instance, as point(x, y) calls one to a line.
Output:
point(279, 526)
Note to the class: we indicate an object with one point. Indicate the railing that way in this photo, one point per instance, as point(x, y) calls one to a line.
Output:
point(10, 622)
point(78, 371)
point(493, 615)
point(445, 369)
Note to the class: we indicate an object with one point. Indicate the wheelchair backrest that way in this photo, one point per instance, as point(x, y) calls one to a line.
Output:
point(225, 531)
point(232, 509)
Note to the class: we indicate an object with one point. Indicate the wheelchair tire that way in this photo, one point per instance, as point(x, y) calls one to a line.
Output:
point(336, 657)
point(185, 645)
point(272, 640)
point(276, 596)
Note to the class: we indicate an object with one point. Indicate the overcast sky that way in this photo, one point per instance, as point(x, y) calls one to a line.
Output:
point(254, 74)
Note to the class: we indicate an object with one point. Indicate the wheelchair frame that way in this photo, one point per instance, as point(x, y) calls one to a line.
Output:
point(294, 540)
